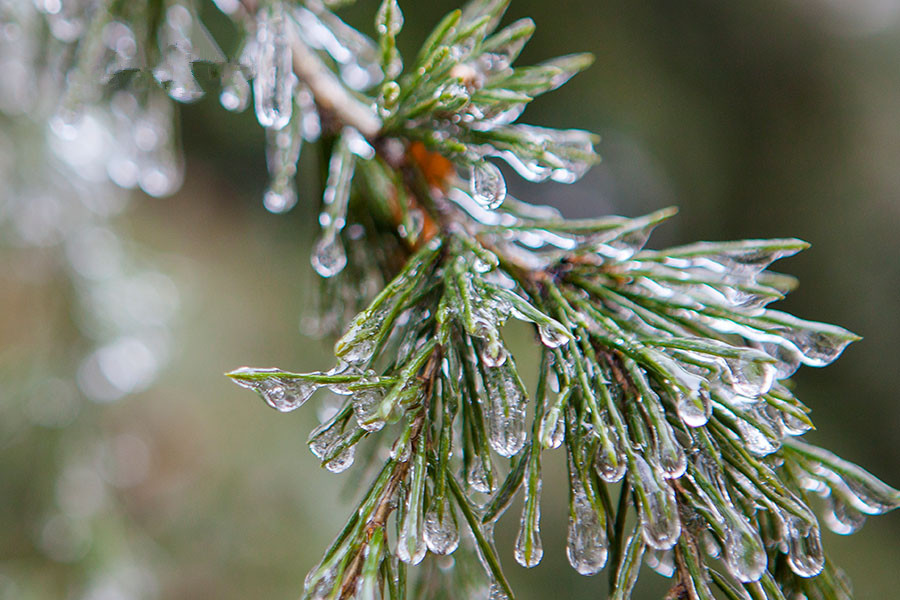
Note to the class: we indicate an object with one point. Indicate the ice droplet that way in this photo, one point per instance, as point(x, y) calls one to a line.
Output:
point(661, 561)
point(174, 70)
point(506, 409)
point(280, 393)
point(328, 257)
point(235, 94)
point(529, 549)
point(273, 85)
point(661, 525)
point(496, 592)
point(487, 185)
point(494, 353)
point(587, 547)
point(841, 517)
point(693, 407)
point(552, 335)
point(441, 530)
point(552, 430)
point(365, 406)
point(477, 476)
point(342, 461)
point(611, 466)
point(805, 555)
point(745, 555)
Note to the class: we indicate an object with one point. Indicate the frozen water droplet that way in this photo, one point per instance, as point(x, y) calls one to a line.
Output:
point(280, 201)
point(505, 409)
point(496, 592)
point(552, 429)
point(282, 394)
point(273, 85)
point(487, 185)
point(661, 525)
point(366, 403)
point(235, 94)
point(411, 538)
point(587, 547)
point(529, 549)
point(477, 476)
point(661, 561)
point(552, 335)
point(329, 258)
point(693, 408)
point(841, 517)
point(494, 353)
point(745, 555)
point(441, 530)
point(805, 555)
point(611, 465)
point(342, 461)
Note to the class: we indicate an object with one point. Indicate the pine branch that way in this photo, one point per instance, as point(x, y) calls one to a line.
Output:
point(662, 371)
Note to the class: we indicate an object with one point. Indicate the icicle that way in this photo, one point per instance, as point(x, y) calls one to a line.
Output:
point(487, 185)
point(441, 530)
point(411, 539)
point(505, 407)
point(552, 428)
point(283, 151)
point(329, 258)
point(273, 85)
point(528, 548)
point(659, 510)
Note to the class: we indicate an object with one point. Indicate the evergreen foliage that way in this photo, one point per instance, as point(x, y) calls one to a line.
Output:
point(663, 375)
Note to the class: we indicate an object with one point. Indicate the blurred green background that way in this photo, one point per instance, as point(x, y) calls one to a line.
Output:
point(757, 118)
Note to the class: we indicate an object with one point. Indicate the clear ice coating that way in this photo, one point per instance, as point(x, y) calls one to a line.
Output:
point(660, 523)
point(487, 185)
point(441, 529)
point(528, 548)
point(505, 407)
point(281, 393)
point(274, 81)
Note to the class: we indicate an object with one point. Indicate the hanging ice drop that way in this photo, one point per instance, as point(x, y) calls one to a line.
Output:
point(273, 86)
point(328, 257)
point(487, 185)
point(441, 531)
point(235, 94)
